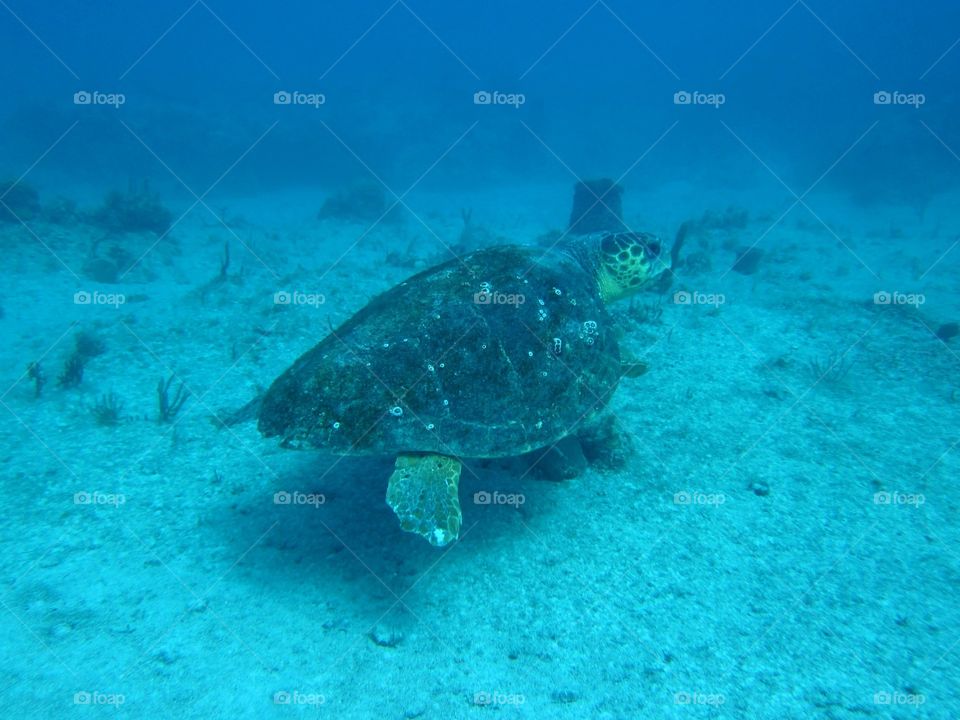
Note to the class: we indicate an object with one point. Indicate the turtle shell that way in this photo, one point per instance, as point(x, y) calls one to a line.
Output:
point(500, 352)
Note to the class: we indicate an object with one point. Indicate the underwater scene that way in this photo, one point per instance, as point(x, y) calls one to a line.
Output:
point(407, 359)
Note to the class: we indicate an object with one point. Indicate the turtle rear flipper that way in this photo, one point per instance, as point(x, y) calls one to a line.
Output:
point(423, 492)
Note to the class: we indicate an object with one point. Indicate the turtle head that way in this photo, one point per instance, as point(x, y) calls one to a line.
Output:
point(625, 262)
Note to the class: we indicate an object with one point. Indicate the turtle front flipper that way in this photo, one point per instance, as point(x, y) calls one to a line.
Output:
point(632, 368)
point(423, 492)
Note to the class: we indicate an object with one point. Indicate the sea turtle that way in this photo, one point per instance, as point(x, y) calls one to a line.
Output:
point(495, 354)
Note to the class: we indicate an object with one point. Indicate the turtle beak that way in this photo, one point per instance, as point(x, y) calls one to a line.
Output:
point(665, 266)
point(658, 264)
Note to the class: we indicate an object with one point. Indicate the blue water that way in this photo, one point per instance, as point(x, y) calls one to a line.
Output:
point(771, 530)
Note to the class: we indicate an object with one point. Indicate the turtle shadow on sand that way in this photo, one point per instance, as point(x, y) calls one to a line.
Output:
point(325, 522)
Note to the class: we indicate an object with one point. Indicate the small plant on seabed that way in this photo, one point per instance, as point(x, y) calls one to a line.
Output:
point(831, 369)
point(136, 210)
point(89, 345)
point(169, 407)
point(106, 411)
point(18, 202)
point(35, 373)
point(646, 313)
point(221, 277)
point(72, 374)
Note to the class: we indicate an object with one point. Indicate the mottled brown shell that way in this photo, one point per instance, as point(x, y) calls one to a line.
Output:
point(501, 352)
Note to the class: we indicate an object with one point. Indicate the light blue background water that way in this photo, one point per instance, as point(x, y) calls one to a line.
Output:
point(598, 79)
point(603, 598)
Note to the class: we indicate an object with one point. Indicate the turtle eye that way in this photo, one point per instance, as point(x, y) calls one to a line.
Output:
point(651, 243)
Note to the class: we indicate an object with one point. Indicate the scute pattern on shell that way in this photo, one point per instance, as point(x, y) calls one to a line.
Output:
point(431, 366)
